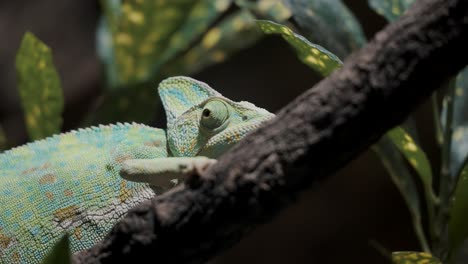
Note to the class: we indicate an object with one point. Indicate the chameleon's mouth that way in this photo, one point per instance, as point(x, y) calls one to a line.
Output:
point(224, 140)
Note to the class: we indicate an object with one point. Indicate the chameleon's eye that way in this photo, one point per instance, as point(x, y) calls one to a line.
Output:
point(215, 113)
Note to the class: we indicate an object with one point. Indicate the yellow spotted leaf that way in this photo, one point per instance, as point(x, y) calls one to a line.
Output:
point(314, 56)
point(235, 32)
point(198, 20)
point(390, 9)
point(139, 33)
point(413, 154)
point(458, 228)
point(39, 88)
point(408, 257)
point(60, 253)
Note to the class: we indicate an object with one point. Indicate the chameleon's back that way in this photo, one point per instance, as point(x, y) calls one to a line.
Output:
point(70, 182)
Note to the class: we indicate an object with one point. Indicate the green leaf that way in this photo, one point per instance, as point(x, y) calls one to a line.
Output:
point(140, 33)
point(314, 56)
point(459, 146)
point(202, 15)
point(39, 88)
point(394, 163)
point(458, 228)
point(408, 257)
point(328, 23)
point(235, 32)
point(390, 9)
point(413, 153)
point(60, 253)
point(138, 102)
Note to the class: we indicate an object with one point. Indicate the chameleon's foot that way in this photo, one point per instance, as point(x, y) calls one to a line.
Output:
point(163, 172)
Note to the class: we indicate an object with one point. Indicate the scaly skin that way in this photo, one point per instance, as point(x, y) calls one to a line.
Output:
point(71, 183)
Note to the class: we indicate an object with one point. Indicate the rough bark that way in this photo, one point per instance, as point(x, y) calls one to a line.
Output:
point(308, 141)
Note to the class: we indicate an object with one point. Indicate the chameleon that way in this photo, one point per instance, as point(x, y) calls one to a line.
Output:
point(83, 181)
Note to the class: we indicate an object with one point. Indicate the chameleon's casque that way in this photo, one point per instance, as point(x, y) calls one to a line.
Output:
point(70, 182)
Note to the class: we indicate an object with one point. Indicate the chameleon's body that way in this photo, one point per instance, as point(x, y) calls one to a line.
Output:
point(71, 183)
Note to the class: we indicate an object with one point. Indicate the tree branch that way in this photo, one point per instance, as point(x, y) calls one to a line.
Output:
point(310, 139)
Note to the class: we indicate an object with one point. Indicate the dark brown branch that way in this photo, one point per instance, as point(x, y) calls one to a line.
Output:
point(311, 138)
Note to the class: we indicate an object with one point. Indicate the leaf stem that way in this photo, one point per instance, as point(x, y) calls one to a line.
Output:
point(437, 124)
point(446, 179)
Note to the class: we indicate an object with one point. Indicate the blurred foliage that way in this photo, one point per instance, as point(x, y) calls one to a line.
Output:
point(202, 37)
point(39, 88)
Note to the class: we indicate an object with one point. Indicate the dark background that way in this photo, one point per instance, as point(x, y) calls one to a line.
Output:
point(333, 224)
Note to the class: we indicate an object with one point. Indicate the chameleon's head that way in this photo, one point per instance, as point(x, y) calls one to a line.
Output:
point(201, 122)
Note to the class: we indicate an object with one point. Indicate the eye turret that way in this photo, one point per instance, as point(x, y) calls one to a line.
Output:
point(214, 115)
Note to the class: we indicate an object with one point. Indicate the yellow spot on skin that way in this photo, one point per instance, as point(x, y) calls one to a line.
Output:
point(47, 179)
point(211, 38)
point(122, 158)
point(414, 162)
point(16, 257)
point(68, 193)
point(395, 10)
point(410, 146)
point(459, 91)
point(49, 195)
point(77, 233)
point(155, 143)
point(28, 171)
point(4, 240)
point(124, 192)
point(124, 39)
point(136, 17)
point(66, 212)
